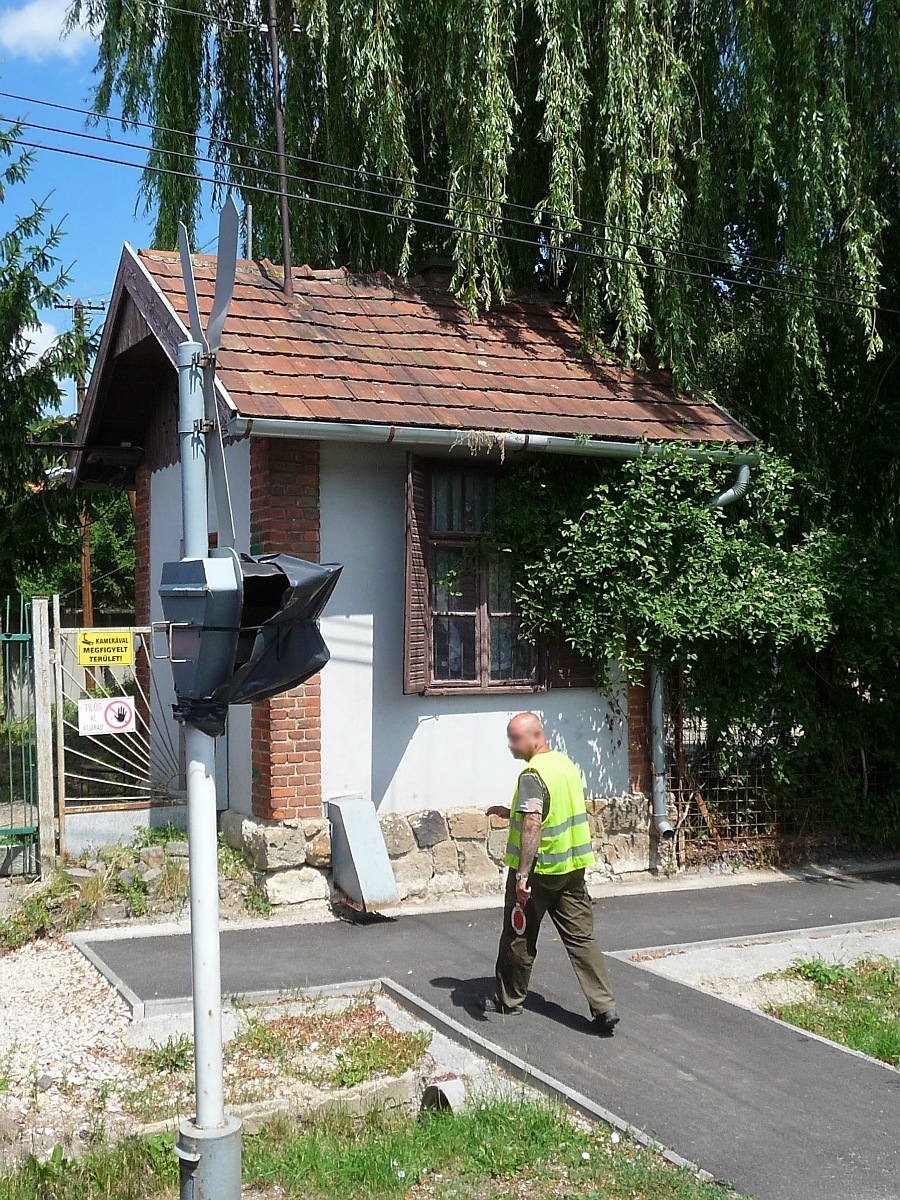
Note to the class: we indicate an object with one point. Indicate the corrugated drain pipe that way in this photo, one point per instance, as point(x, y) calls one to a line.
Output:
point(657, 722)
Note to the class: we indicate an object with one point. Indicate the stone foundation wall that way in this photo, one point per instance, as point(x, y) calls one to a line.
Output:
point(433, 854)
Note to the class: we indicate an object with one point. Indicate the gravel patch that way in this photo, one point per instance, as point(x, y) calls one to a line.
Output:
point(61, 1037)
point(70, 1056)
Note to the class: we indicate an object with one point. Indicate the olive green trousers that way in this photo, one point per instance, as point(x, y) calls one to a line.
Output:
point(566, 899)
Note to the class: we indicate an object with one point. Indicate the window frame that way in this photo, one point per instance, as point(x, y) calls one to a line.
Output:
point(556, 665)
point(432, 540)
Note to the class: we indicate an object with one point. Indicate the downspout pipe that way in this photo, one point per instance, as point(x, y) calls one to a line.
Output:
point(737, 489)
point(427, 437)
point(657, 724)
point(658, 755)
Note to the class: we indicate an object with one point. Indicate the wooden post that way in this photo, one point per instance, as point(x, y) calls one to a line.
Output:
point(43, 732)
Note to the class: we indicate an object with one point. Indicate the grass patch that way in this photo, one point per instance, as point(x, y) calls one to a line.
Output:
point(45, 911)
point(132, 1171)
point(494, 1150)
point(325, 1049)
point(857, 1006)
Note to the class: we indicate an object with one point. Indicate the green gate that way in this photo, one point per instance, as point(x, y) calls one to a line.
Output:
point(18, 760)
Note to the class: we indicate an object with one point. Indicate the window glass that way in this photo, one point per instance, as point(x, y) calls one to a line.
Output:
point(447, 502)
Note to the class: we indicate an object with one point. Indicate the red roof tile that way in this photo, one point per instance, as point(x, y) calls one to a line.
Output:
point(372, 350)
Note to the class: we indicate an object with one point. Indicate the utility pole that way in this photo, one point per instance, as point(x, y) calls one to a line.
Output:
point(79, 324)
point(272, 31)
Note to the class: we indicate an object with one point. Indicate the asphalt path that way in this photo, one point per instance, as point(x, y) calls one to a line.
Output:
point(780, 1115)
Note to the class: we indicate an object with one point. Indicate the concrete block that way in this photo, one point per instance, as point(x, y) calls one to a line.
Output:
point(176, 849)
point(153, 856)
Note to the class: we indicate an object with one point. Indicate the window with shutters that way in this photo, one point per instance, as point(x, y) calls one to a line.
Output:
point(462, 628)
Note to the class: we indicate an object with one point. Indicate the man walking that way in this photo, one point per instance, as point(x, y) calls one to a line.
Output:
point(548, 850)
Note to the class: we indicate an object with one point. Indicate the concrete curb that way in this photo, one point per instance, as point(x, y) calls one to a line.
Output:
point(753, 939)
point(623, 886)
point(510, 1063)
point(398, 1091)
point(531, 1076)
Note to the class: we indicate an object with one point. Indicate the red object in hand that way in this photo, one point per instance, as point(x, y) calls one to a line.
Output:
point(517, 920)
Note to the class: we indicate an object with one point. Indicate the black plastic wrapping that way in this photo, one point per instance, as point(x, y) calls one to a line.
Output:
point(277, 650)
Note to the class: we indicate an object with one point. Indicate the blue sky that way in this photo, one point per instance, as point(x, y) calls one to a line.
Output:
point(95, 202)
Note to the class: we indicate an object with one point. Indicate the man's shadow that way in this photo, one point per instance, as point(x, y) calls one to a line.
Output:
point(467, 994)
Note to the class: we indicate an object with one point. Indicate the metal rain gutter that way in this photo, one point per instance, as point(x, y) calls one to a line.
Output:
point(449, 439)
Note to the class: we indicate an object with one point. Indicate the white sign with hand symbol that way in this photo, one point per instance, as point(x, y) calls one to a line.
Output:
point(109, 714)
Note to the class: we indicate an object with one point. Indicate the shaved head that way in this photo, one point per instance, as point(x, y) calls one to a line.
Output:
point(525, 736)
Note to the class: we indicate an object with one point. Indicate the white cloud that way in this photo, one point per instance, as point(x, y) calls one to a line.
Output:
point(35, 30)
point(40, 340)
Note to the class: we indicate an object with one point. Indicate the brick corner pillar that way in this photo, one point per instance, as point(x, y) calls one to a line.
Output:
point(286, 731)
point(640, 771)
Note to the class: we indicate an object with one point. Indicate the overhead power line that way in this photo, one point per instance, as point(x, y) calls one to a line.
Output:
point(713, 278)
point(667, 244)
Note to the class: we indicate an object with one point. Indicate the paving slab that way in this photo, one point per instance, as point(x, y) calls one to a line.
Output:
point(779, 1114)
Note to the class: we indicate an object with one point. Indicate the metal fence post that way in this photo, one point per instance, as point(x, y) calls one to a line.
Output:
point(43, 732)
point(59, 710)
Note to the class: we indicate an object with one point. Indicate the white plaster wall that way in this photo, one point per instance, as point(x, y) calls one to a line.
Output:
point(417, 752)
point(165, 545)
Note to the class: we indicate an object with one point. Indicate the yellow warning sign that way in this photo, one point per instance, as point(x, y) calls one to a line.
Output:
point(105, 648)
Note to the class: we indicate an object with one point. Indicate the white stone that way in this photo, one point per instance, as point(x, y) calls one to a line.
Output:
point(479, 873)
point(296, 886)
point(413, 872)
point(273, 845)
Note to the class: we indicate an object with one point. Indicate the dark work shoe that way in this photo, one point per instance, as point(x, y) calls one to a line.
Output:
point(606, 1022)
point(491, 1006)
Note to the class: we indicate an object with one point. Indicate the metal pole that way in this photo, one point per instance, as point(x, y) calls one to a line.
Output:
point(209, 1146)
point(200, 752)
point(43, 733)
point(60, 699)
point(279, 146)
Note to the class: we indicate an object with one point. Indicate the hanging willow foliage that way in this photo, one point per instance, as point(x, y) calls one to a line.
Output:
point(747, 143)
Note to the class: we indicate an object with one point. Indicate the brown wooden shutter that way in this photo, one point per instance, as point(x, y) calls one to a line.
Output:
point(415, 617)
point(566, 668)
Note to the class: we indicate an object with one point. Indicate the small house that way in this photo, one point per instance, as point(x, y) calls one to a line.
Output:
point(367, 420)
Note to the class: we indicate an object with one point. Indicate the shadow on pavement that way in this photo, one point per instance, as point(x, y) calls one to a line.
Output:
point(466, 993)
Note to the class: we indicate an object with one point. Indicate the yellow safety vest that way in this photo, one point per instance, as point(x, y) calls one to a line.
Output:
point(566, 831)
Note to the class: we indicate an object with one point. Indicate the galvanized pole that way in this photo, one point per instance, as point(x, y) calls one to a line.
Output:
point(43, 732)
point(60, 700)
point(209, 1146)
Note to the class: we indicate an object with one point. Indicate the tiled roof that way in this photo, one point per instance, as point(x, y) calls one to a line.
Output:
point(372, 350)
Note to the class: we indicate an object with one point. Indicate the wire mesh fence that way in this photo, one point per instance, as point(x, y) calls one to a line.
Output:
point(114, 770)
point(731, 803)
point(18, 789)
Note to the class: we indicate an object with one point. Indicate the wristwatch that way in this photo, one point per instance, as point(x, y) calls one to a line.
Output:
point(521, 876)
